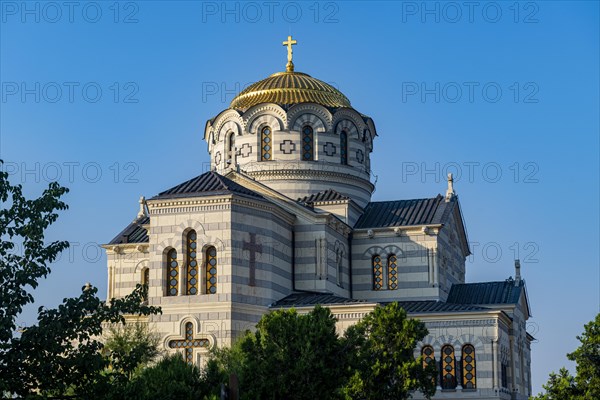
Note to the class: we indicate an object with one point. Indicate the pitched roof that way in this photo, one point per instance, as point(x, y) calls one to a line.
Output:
point(306, 299)
point(381, 214)
point(209, 183)
point(504, 292)
point(432, 306)
point(326, 195)
point(133, 233)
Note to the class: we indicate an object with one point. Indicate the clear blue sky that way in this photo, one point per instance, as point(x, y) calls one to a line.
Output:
point(507, 96)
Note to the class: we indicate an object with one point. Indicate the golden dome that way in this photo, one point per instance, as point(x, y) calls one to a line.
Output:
point(290, 88)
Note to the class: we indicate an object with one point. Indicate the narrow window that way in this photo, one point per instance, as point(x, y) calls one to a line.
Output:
point(448, 368)
point(307, 143)
point(266, 140)
point(146, 281)
point(192, 263)
point(504, 375)
point(230, 147)
point(211, 270)
point(392, 266)
point(344, 148)
point(377, 273)
point(338, 259)
point(468, 367)
point(172, 278)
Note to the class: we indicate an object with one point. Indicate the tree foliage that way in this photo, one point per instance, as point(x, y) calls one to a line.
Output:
point(384, 364)
point(170, 379)
point(61, 352)
point(290, 356)
point(587, 357)
point(293, 356)
point(585, 385)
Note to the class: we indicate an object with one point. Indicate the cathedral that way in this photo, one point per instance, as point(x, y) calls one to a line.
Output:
point(284, 219)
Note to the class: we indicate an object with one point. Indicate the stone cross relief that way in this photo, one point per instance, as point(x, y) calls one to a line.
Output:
point(245, 150)
point(329, 149)
point(253, 247)
point(287, 147)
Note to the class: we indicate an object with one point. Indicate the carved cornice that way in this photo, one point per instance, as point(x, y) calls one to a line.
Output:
point(313, 175)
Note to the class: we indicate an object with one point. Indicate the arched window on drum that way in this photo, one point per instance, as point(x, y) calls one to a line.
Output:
point(211, 270)
point(266, 144)
point(230, 146)
point(308, 143)
point(344, 148)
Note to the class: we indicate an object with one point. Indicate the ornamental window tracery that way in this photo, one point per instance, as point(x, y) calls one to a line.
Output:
point(191, 263)
point(468, 367)
point(172, 267)
point(308, 144)
point(448, 368)
point(211, 270)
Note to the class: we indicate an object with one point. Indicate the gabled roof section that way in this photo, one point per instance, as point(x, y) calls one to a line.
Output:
point(383, 214)
point(207, 184)
point(133, 233)
point(307, 299)
point(324, 196)
point(503, 292)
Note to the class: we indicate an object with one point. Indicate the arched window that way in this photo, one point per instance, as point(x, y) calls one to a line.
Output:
point(192, 263)
point(230, 147)
point(146, 281)
point(172, 272)
point(377, 272)
point(448, 368)
point(211, 270)
point(468, 367)
point(338, 259)
point(428, 357)
point(266, 144)
point(392, 267)
point(307, 144)
point(344, 148)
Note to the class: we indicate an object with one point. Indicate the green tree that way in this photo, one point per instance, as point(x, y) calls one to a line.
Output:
point(560, 386)
point(130, 347)
point(127, 350)
point(586, 383)
point(384, 364)
point(62, 351)
point(289, 356)
point(587, 357)
point(170, 379)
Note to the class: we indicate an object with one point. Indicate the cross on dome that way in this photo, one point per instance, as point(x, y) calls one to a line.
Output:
point(289, 43)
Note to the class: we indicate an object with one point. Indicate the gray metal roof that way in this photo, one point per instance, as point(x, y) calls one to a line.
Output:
point(306, 299)
point(310, 299)
point(209, 183)
point(382, 214)
point(326, 195)
point(504, 292)
point(133, 233)
point(432, 306)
